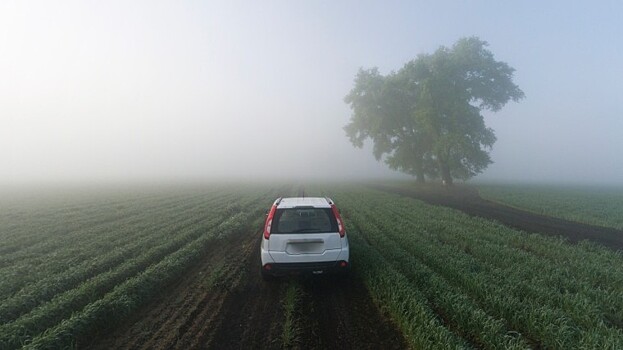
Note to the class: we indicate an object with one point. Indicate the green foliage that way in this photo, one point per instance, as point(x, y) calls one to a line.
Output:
point(448, 280)
point(595, 206)
point(291, 324)
point(454, 281)
point(124, 261)
point(425, 119)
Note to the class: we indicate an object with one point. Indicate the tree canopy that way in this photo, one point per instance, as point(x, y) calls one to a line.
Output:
point(425, 119)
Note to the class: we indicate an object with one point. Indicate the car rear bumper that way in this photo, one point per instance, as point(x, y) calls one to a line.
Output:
point(323, 267)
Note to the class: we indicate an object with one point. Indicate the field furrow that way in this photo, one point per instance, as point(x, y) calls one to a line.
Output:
point(179, 269)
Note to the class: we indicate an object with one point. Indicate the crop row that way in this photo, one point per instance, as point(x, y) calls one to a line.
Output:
point(136, 246)
point(563, 267)
point(42, 234)
point(63, 304)
point(36, 238)
point(134, 272)
point(595, 206)
point(85, 248)
point(134, 292)
point(28, 225)
point(480, 285)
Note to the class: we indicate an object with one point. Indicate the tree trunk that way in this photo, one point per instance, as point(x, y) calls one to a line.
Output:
point(446, 178)
point(419, 174)
point(419, 178)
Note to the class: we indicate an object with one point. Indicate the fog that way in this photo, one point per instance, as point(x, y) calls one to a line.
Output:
point(162, 90)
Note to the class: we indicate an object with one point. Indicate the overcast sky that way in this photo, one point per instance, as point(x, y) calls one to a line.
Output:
point(114, 90)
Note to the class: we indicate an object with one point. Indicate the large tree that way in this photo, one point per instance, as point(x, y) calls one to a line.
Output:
point(425, 119)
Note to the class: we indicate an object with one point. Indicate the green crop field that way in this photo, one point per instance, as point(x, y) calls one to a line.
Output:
point(451, 280)
point(77, 264)
point(71, 263)
point(595, 206)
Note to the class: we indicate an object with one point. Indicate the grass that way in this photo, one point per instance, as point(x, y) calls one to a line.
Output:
point(595, 206)
point(72, 269)
point(72, 265)
point(291, 327)
point(454, 281)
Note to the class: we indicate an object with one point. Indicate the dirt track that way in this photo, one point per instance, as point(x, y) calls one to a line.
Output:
point(222, 302)
point(236, 309)
point(467, 200)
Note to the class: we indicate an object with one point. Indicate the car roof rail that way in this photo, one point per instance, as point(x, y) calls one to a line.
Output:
point(329, 200)
point(278, 201)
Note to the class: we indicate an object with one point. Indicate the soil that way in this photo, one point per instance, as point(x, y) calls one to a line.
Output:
point(337, 313)
point(223, 303)
point(466, 199)
point(241, 311)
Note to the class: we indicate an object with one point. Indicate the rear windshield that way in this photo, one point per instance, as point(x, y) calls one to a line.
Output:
point(304, 220)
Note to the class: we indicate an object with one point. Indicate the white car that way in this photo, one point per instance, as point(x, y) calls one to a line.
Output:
point(304, 235)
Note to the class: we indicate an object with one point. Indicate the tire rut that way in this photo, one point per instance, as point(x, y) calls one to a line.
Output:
point(237, 309)
point(252, 314)
point(338, 313)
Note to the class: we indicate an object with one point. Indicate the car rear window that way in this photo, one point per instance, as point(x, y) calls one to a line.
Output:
point(304, 220)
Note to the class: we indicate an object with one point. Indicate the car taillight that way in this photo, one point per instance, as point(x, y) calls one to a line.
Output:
point(340, 225)
point(269, 221)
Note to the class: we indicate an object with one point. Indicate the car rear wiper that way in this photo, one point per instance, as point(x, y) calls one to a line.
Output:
point(307, 230)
